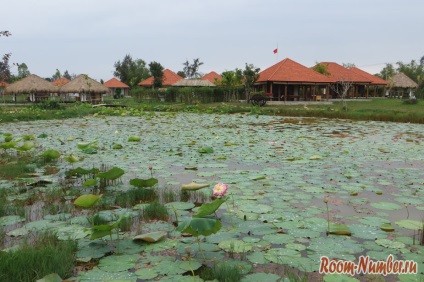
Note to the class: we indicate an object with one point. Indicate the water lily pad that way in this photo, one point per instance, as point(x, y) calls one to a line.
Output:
point(87, 201)
point(192, 186)
point(11, 219)
point(146, 273)
point(54, 277)
point(390, 243)
point(410, 224)
point(339, 278)
point(236, 246)
point(151, 237)
point(260, 276)
point(97, 274)
point(386, 206)
point(117, 263)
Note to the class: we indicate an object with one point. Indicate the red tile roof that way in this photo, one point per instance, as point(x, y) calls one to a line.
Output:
point(340, 73)
point(115, 83)
point(290, 71)
point(169, 78)
point(375, 80)
point(60, 81)
point(3, 84)
point(212, 76)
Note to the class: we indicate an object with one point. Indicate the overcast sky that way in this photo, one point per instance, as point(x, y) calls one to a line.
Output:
point(90, 36)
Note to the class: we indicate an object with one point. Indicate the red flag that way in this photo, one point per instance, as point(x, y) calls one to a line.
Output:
point(275, 51)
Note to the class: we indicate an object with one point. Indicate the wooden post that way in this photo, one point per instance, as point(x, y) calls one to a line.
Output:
point(285, 93)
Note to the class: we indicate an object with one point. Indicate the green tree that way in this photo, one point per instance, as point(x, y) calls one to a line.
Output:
point(67, 75)
point(232, 78)
point(387, 72)
point(182, 74)
point(321, 68)
point(250, 76)
point(131, 71)
point(192, 70)
point(56, 75)
point(23, 71)
point(156, 70)
point(5, 73)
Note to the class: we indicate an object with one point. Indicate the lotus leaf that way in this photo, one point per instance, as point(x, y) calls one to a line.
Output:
point(339, 278)
point(205, 150)
point(51, 154)
point(134, 138)
point(118, 263)
point(97, 274)
point(209, 208)
point(386, 206)
point(236, 246)
point(390, 243)
point(90, 182)
point(144, 182)
point(112, 174)
point(387, 227)
point(261, 276)
point(10, 219)
point(194, 186)
point(152, 237)
point(339, 229)
point(28, 145)
point(87, 201)
point(54, 277)
point(81, 171)
point(72, 158)
point(146, 273)
point(410, 224)
point(200, 226)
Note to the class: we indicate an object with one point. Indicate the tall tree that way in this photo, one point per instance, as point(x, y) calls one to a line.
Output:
point(23, 71)
point(56, 75)
point(250, 76)
point(156, 69)
point(131, 71)
point(232, 78)
point(5, 73)
point(192, 70)
point(387, 72)
point(67, 75)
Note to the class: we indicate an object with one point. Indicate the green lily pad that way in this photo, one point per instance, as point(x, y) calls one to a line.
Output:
point(87, 201)
point(410, 224)
point(152, 237)
point(260, 276)
point(117, 263)
point(390, 243)
point(112, 174)
point(54, 277)
point(97, 274)
point(192, 186)
point(10, 219)
point(236, 246)
point(386, 206)
point(146, 273)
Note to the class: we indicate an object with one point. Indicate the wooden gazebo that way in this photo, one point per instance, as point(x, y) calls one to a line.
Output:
point(88, 89)
point(38, 88)
point(402, 86)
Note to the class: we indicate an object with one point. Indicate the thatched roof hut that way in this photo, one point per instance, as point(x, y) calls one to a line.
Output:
point(84, 84)
point(401, 80)
point(193, 83)
point(31, 84)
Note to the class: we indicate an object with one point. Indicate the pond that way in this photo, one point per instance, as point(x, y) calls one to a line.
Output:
point(290, 182)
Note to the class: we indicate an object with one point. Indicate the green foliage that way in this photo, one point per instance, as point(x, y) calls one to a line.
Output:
point(135, 196)
point(192, 70)
point(209, 208)
point(410, 101)
point(144, 182)
point(200, 226)
point(250, 76)
point(130, 71)
point(49, 104)
point(321, 68)
point(112, 174)
point(87, 200)
point(222, 273)
point(156, 69)
point(35, 260)
point(50, 155)
point(155, 210)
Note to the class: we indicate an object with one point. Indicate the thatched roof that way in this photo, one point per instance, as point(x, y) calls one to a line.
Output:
point(3, 84)
point(84, 84)
point(193, 83)
point(31, 84)
point(401, 80)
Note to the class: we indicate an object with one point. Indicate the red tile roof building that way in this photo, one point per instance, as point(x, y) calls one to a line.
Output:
point(169, 78)
point(61, 81)
point(114, 84)
point(289, 80)
point(212, 77)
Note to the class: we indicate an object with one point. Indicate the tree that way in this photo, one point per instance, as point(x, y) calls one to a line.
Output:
point(232, 78)
point(67, 75)
point(348, 65)
point(387, 72)
point(342, 87)
point(23, 71)
point(250, 76)
point(131, 71)
point(156, 70)
point(182, 74)
point(56, 75)
point(321, 68)
point(5, 73)
point(192, 70)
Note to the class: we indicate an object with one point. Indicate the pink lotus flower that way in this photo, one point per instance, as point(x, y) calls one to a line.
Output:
point(219, 190)
point(150, 167)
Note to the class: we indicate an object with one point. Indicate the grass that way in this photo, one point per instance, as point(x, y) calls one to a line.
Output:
point(221, 273)
point(12, 167)
point(32, 261)
point(135, 196)
point(155, 210)
point(377, 109)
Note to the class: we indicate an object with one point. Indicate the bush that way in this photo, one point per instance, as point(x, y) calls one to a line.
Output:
point(410, 101)
point(49, 105)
